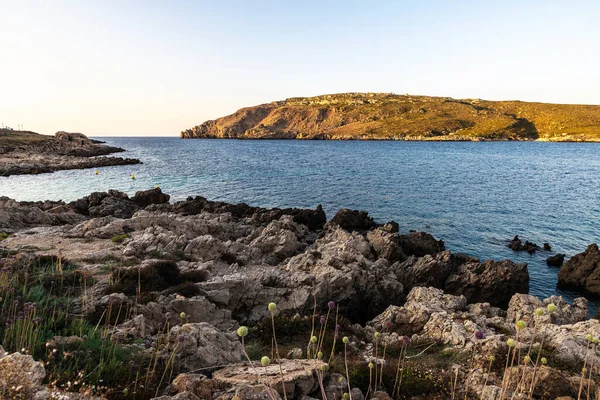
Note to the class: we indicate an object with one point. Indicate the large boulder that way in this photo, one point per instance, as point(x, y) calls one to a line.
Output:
point(299, 376)
point(201, 345)
point(153, 196)
point(556, 260)
point(582, 271)
point(352, 220)
point(420, 244)
point(21, 377)
point(491, 281)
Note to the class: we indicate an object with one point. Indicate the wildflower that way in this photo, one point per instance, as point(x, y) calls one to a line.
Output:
point(345, 340)
point(595, 340)
point(544, 360)
point(584, 370)
point(331, 305)
point(265, 361)
point(492, 358)
point(588, 337)
point(313, 339)
point(242, 331)
point(527, 359)
point(551, 308)
point(377, 335)
point(341, 379)
point(479, 335)
point(521, 325)
point(322, 320)
point(371, 365)
point(324, 367)
point(510, 342)
point(406, 340)
point(388, 324)
point(346, 396)
point(320, 355)
point(272, 307)
point(539, 312)
point(182, 315)
point(181, 338)
point(312, 278)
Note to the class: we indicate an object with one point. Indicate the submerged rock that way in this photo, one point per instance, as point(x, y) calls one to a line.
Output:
point(556, 260)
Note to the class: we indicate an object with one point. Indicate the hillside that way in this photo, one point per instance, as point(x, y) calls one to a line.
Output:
point(383, 116)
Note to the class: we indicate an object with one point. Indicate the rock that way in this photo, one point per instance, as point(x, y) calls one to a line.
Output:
point(547, 247)
point(555, 260)
point(201, 345)
point(153, 196)
point(582, 271)
point(22, 377)
point(517, 245)
point(179, 396)
point(420, 244)
point(294, 354)
point(492, 281)
point(352, 220)
point(280, 238)
point(523, 306)
point(386, 244)
point(299, 376)
point(196, 384)
point(425, 271)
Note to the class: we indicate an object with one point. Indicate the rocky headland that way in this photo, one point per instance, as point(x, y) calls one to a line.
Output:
point(23, 152)
point(121, 297)
point(387, 116)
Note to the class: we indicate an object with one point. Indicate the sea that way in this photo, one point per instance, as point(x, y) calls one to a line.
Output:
point(476, 196)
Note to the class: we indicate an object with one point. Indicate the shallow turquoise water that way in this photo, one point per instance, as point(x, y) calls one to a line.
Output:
point(474, 196)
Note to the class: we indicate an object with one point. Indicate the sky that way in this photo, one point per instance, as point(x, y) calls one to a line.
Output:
point(129, 68)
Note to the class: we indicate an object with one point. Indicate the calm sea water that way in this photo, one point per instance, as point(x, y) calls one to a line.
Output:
point(474, 196)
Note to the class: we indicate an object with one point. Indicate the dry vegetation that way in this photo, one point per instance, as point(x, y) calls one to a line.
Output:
point(383, 116)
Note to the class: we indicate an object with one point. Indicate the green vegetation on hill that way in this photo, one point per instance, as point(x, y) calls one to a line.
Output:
point(383, 116)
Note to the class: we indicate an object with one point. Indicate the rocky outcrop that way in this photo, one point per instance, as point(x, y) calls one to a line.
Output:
point(556, 260)
point(201, 345)
point(21, 377)
point(582, 271)
point(31, 153)
point(517, 245)
point(352, 220)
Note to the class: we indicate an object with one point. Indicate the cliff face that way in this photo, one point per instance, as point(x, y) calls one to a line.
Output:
point(381, 116)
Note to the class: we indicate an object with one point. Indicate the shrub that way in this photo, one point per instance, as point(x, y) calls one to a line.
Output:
point(119, 238)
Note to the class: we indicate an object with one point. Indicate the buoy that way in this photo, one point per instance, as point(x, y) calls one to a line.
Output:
point(132, 176)
point(97, 172)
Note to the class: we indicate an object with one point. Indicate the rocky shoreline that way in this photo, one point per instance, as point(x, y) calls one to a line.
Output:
point(167, 286)
point(30, 153)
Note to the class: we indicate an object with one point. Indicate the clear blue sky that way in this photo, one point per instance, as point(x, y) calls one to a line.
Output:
point(157, 67)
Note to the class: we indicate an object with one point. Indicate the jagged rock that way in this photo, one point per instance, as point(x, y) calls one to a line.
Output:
point(345, 271)
point(517, 245)
point(420, 304)
point(16, 215)
point(523, 306)
point(194, 383)
point(201, 345)
point(425, 271)
point(299, 376)
point(280, 238)
point(386, 244)
point(555, 260)
point(197, 309)
point(22, 377)
point(582, 271)
point(420, 244)
point(179, 396)
point(153, 196)
point(492, 281)
point(352, 220)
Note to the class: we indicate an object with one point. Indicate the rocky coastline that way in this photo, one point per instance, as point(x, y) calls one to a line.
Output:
point(31, 153)
point(389, 116)
point(172, 300)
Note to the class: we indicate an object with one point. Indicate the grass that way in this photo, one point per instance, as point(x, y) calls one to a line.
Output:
point(119, 238)
point(39, 299)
